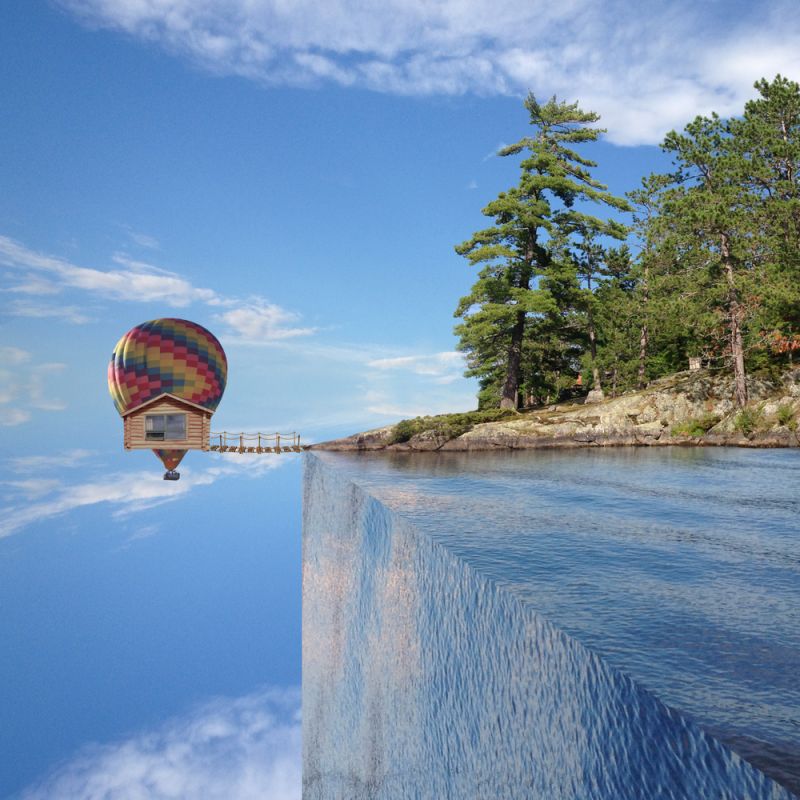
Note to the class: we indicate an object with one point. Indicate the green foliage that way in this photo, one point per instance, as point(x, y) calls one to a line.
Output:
point(749, 420)
point(696, 427)
point(713, 269)
point(733, 242)
point(786, 416)
point(532, 261)
point(448, 426)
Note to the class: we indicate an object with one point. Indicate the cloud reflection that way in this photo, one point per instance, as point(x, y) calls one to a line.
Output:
point(246, 748)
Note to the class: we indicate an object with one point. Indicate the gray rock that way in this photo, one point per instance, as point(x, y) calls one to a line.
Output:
point(645, 418)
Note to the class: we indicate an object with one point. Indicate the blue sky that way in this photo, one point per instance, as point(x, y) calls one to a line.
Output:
point(293, 177)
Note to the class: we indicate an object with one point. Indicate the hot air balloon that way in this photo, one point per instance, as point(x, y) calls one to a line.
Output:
point(166, 378)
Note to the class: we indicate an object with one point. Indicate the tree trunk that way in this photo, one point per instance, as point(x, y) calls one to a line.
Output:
point(510, 395)
point(597, 387)
point(593, 353)
point(734, 323)
point(644, 336)
point(643, 340)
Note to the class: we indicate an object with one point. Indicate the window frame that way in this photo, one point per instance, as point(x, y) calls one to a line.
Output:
point(152, 435)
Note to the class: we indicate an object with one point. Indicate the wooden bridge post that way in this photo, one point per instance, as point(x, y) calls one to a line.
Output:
point(262, 439)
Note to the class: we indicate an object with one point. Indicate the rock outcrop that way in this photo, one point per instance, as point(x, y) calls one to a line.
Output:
point(688, 408)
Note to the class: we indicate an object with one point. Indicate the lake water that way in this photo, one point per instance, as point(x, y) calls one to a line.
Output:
point(679, 568)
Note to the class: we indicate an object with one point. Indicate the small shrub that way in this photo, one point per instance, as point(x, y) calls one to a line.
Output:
point(404, 430)
point(785, 416)
point(449, 426)
point(748, 420)
point(696, 427)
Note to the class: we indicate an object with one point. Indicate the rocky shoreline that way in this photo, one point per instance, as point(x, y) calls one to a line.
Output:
point(688, 408)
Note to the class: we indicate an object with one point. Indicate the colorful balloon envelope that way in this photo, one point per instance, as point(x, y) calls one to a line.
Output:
point(175, 356)
point(170, 458)
point(167, 356)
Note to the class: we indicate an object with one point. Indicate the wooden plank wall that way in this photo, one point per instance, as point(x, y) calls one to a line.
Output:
point(197, 423)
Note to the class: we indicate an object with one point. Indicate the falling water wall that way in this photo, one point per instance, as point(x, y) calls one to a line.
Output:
point(422, 679)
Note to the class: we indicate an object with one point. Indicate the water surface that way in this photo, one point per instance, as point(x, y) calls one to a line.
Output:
point(680, 567)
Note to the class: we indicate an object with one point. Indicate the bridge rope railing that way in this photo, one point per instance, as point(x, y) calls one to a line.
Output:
point(226, 442)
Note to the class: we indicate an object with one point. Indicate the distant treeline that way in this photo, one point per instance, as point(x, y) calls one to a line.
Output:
point(701, 262)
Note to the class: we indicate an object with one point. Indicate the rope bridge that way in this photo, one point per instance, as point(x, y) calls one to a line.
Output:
point(256, 443)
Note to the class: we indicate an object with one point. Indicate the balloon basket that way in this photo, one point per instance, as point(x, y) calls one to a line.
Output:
point(171, 475)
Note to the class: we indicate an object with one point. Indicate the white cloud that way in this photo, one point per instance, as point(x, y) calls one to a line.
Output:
point(127, 492)
point(143, 239)
point(417, 385)
point(259, 321)
point(253, 319)
point(116, 284)
point(38, 395)
point(22, 382)
point(34, 487)
point(382, 407)
point(13, 355)
point(24, 308)
point(248, 748)
point(403, 405)
point(13, 416)
point(145, 532)
point(136, 265)
point(645, 70)
point(34, 285)
point(70, 458)
point(436, 365)
point(8, 391)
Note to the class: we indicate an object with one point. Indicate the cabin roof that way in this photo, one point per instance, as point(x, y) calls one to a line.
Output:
point(161, 397)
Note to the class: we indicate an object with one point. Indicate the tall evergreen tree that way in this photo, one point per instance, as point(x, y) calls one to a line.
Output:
point(716, 275)
point(767, 139)
point(517, 250)
point(585, 260)
point(618, 318)
point(733, 211)
point(646, 206)
point(705, 205)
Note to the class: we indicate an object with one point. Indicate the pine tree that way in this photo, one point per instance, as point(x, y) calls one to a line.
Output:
point(646, 207)
point(585, 260)
point(705, 206)
point(733, 214)
point(517, 250)
point(619, 320)
point(767, 140)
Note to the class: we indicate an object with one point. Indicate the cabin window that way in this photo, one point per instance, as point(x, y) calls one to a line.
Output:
point(164, 427)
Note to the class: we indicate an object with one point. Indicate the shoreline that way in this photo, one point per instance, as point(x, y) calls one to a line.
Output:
point(688, 409)
point(362, 443)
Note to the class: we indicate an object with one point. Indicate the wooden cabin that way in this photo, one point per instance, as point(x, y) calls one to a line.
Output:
point(167, 422)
